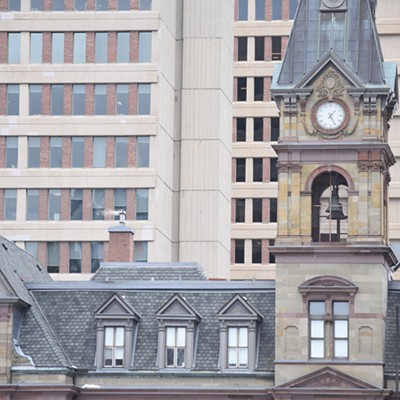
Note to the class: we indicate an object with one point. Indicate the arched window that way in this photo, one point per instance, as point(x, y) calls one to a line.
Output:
point(329, 207)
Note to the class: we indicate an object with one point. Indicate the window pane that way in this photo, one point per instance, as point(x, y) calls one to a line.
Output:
point(108, 357)
point(259, 49)
point(273, 210)
point(119, 357)
point(243, 10)
point(14, 48)
point(32, 204)
point(273, 172)
point(276, 48)
point(256, 251)
point(10, 204)
point(243, 357)
point(75, 257)
point(99, 152)
point(170, 357)
point(257, 169)
point(240, 129)
point(101, 47)
point(144, 99)
point(240, 169)
point(57, 48)
point(32, 248)
point(35, 99)
point(144, 5)
point(122, 99)
point(100, 99)
point(80, 5)
point(101, 5)
point(145, 46)
point(181, 337)
point(257, 210)
point(239, 251)
point(260, 10)
point(317, 349)
point(259, 89)
point(11, 152)
point(108, 336)
point(276, 9)
point(243, 333)
point(292, 8)
point(258, 129)
point(242, 48)
point(78, 99)
point(317, 329)
point(119, 202)
point(98, 204)
point(140, 251)
point(55, 152)
point(340, 308)
point(123, 47)
point(33, 152)
point(58, 5)
point(53, 257)
point(142, 204)
point(341, 329)
point(241, 89)
point(77, 155)
point(240, 210)
point(180, 358)
point(121, 152)
point(36, 48)
point(123, 5)
point(317, 308)
point(274, 129)
point(14, 5)
point(119, 336)
point(143, 151)
point(57, 99)
point(12, 99)
point(54, 204)
point(79, 48)
point(97, 249)
point(232, 357)
point(76, 204)
point(341, 348)
point(232, 337)
point(170, 336)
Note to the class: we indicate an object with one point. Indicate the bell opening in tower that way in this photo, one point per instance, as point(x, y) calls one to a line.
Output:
point(329, 208)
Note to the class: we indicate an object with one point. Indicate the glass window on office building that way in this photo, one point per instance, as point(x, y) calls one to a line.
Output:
point(276, 9)
point(143, 152)
point(101, 47)
point(36, 5)
point(97, 249)
point(98, 204)
point(124, 5)
point(77, 152)
point(80, 5)
point(100, 99)
point(55, 152)
point(36, 48)
point(54, 205)
point(79, 52)
point(122, 99)
point(14, 48)
point(57, 48)
point(123, 47)
point(12, 100)
point(76, 204)
point(32, 204)
point(57, 100)
point(75, 257)
point(145, 47)
point(35, 99)
point(10, 205)
point(144, 99)
point(14, 5)
point(57, 5)
point(53, 257)
point(78, 99)
point(142, 204)
point(260, 10)
point(140, 251)
point(101, 5)
point(144, 5)
point(32, 248)
point(119, 202)
point(99, 152)
point(243, 10)
point(121, 152)
point(11, 152)
point(33, 152)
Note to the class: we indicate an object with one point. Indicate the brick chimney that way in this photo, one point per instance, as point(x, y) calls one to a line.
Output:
point(120, 247)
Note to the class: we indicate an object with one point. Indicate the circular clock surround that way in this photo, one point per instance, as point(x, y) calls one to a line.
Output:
point(330, 116)
point(332, 3)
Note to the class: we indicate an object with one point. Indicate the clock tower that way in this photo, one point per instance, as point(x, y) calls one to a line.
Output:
point(335, 96)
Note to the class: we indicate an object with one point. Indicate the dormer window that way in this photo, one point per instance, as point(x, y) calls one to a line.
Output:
point(175, 346)
point(114, 346)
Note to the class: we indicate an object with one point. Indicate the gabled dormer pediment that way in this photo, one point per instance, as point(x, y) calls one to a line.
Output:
point(178, 307)
point(326, 379)
point(117, 307)
point(239, 308)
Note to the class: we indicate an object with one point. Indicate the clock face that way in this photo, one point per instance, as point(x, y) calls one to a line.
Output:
point(332, 3)
point(330, 115)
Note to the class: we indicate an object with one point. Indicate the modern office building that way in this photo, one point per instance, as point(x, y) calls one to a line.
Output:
point(153, 107)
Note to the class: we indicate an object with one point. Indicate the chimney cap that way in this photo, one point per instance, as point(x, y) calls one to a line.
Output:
point(121, 228)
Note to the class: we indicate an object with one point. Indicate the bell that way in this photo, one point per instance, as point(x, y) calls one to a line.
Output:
point(335, 209)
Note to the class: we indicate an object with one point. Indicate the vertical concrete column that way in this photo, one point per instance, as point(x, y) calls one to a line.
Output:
point(376, 201)
point(207, 67)
point(363, 203)
point(283, 219)
point(295, 210)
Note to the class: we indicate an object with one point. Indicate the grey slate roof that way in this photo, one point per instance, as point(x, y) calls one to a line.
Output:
point(150, 272)
point(350, 34)
point(390, 340)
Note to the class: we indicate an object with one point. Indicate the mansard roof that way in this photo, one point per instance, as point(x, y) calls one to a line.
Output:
point(348, 35)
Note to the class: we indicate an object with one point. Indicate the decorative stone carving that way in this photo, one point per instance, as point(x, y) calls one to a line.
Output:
point(331, 86)
point(288, 167)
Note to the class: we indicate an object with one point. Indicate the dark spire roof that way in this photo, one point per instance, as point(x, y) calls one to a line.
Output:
point(349, 32)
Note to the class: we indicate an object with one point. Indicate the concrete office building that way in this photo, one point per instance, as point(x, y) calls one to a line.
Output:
point(149, 107)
